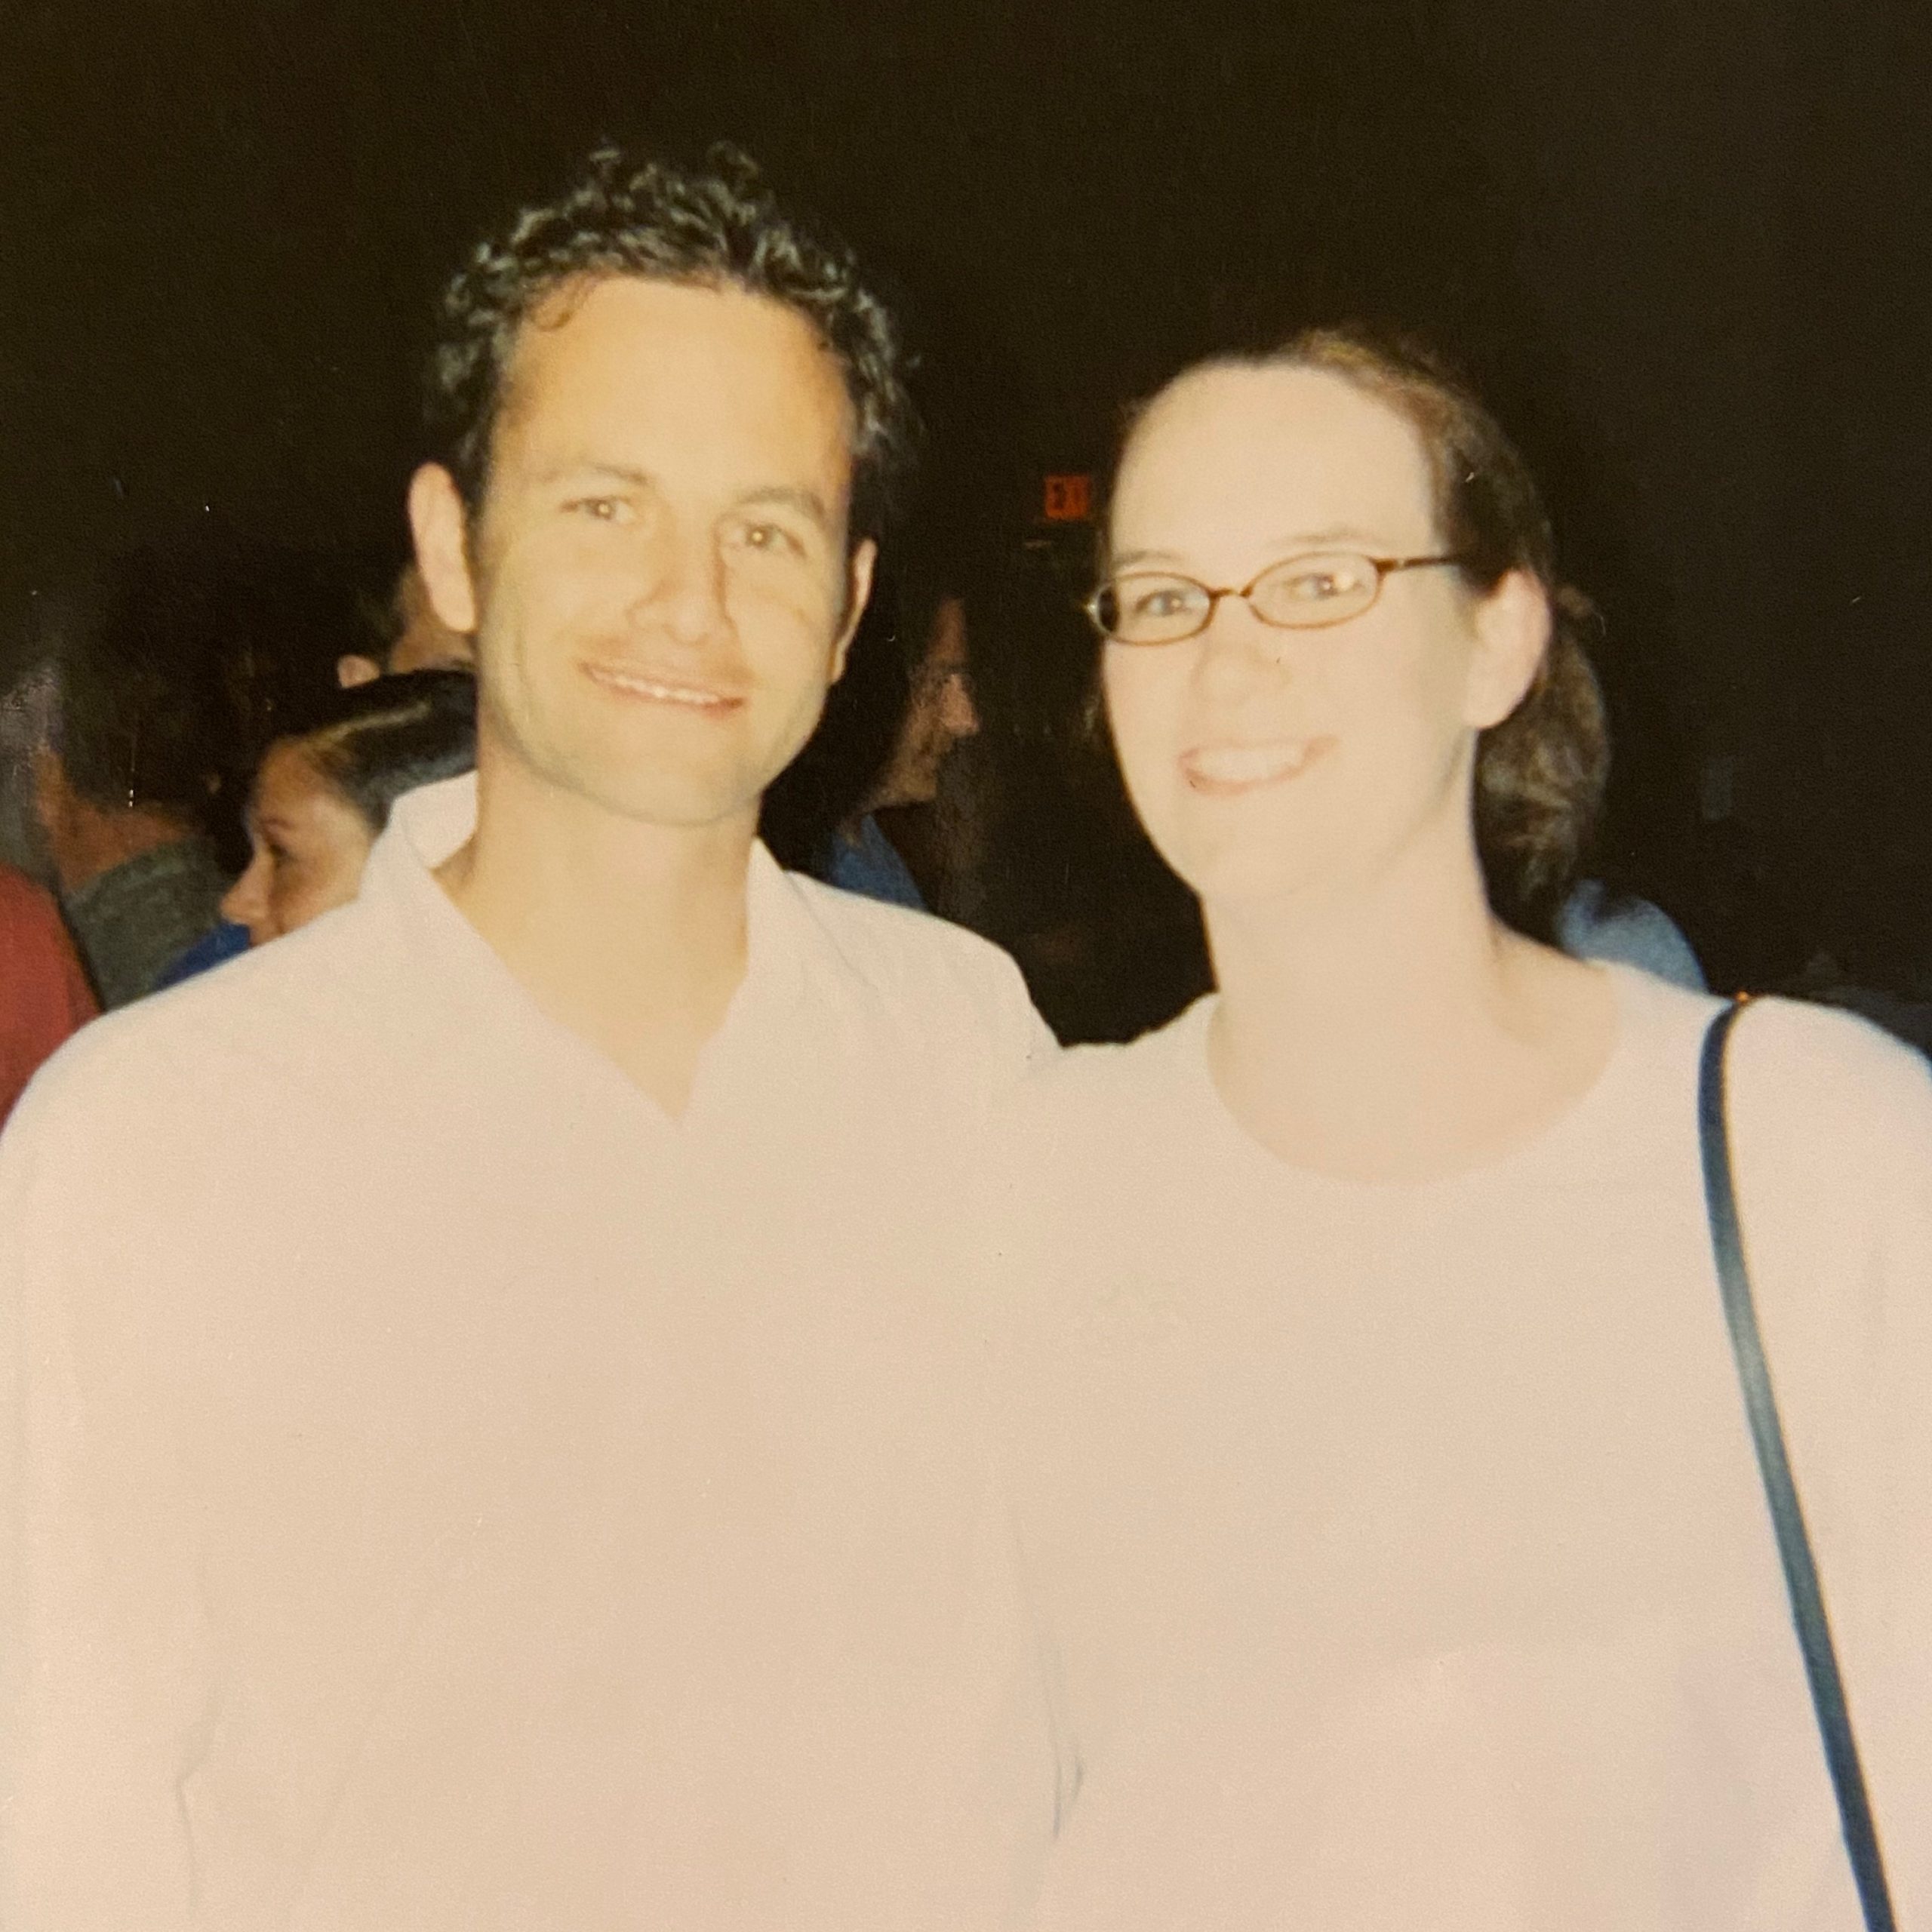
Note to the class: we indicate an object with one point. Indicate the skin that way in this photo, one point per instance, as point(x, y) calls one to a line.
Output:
point(941, 713)
point(662, 591)
point(1314, 787)
point(308, 846)
point(84, 839)
point(424, 642)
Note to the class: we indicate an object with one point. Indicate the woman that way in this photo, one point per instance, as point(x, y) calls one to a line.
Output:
point(1381, 1456)
point(322, 794)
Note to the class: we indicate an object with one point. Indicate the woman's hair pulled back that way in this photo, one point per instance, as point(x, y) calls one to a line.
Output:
point(1540, 774)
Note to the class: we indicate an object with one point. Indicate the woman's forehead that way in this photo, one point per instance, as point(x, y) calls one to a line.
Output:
point(1273, 453)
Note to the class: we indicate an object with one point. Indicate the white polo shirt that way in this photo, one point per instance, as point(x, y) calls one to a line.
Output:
point(443, 1492)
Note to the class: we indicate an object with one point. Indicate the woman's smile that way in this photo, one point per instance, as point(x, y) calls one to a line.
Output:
point(1229, 770)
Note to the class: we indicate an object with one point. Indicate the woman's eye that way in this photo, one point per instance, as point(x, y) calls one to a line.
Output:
point(600, 509)
point(1314, 586)
point(1170, 601)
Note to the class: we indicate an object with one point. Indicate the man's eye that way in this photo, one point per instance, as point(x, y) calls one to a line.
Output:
point(771, 538)
point(602, 509)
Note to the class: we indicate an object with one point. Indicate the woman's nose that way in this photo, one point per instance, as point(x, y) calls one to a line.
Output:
point(245, 903)
point(1238, 651)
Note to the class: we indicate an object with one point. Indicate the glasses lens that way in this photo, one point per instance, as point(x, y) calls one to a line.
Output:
point(1147, 608)
point(1323, 589)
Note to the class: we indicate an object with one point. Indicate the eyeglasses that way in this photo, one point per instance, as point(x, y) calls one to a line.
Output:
point(1298, 593)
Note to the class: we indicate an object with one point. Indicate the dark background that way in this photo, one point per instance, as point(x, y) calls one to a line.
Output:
point(1683, 247)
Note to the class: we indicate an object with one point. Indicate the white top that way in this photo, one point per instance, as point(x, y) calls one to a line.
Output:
point(445, 1493)
point(1404, 1545)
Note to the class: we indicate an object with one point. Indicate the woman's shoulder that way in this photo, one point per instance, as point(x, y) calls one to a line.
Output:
point(1788, 1061)
point(1829, 1103)
point(1103, 1088)
point(1825, 1056)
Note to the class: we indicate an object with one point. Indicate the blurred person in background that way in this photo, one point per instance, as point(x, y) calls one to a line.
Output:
point(856, 808)
point(322, 795)
point(412, 637)
point(900, 839)
point(44, 995)
point(1596, 923)
point(272, 620)
point(125, 778)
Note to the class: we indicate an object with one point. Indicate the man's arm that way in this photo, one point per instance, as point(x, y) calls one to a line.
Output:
point(100, 1683)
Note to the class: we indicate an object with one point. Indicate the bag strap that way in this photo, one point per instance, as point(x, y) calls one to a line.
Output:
point(1800, 1573)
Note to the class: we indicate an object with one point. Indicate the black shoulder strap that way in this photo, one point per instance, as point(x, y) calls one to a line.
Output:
point(1800, 1573)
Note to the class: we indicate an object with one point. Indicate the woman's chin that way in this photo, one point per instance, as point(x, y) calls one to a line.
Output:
point(1244, 876)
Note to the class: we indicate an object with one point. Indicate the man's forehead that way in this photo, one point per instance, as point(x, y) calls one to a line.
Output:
point(619, 318)
point(713, 369)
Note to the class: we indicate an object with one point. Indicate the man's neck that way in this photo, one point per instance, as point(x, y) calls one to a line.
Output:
point(632, 935)
point(91, 840)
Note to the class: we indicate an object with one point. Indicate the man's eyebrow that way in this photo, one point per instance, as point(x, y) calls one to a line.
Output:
point(616, 472)
point(807, 502)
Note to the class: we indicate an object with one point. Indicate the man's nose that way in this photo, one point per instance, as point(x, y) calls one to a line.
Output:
point(687, 591)
point(960, 714)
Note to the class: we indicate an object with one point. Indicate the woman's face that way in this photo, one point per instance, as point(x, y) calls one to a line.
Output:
point(1266, 761)
point(309, 844)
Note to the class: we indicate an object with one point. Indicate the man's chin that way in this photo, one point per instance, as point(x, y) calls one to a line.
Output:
point(662, 800)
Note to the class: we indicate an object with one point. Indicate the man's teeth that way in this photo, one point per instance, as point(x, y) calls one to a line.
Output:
point(1248, 764)
point(652, 687)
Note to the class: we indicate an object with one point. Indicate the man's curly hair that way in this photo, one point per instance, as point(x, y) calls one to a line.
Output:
point(720, 227)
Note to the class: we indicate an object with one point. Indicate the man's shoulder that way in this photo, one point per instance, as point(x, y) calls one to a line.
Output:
point(255, 1020)
point(914, 963)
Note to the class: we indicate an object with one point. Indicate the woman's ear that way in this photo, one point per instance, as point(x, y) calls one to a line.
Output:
point(1513, 627)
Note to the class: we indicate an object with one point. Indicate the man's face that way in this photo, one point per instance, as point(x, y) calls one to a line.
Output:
point(939, 713)
point(658, 580)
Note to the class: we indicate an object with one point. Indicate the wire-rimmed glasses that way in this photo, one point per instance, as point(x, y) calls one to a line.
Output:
point(1298, 593)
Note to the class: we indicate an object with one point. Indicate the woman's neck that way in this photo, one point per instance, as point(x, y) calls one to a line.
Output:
point(1401, 1032)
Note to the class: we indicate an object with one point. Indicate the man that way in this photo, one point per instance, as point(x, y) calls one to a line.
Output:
point(43, 995)
point(497, 1450)
point(862, 854)
point(125, 768)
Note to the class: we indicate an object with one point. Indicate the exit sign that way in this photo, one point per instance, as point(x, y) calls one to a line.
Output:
point(1068, 499)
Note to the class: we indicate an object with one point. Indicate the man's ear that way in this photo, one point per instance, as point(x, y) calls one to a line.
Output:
point(858, 588)
point(353, 668)
point(441, 526)
point(1512, 625)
